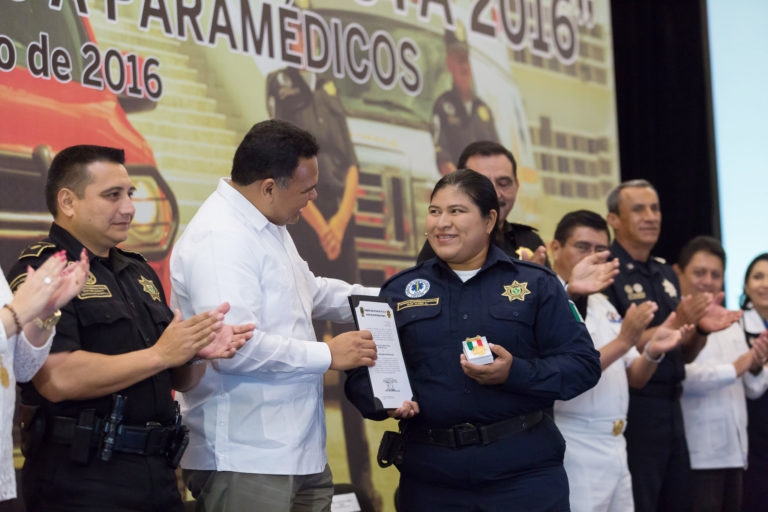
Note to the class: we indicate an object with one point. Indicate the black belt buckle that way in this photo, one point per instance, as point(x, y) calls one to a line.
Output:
point(466, 434)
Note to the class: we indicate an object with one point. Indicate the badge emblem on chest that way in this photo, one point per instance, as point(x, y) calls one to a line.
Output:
point(417, 288)
point(669, 288)
point(148, 286)
point(516, 291)
point(634, 291)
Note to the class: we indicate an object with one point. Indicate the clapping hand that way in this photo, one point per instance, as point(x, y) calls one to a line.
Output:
point(50, 287)
point(228, 340)
point(592, 274)
point(667, 337)
point(716, 317)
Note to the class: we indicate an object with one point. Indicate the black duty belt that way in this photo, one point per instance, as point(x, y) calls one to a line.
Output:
point(468, 434)
point(149, 440)
point(665, 391)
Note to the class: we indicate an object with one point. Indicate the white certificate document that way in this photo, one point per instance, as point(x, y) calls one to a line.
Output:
point(389, 378)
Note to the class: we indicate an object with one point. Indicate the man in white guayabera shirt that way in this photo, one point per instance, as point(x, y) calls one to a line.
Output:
point(257, 422)
point(593, 422)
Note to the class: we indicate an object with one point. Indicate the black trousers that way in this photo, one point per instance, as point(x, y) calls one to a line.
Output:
point(657, 454)
point(717, 490)
point(52, 482)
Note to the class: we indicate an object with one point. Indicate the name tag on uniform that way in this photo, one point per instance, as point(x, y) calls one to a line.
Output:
point(477, 351)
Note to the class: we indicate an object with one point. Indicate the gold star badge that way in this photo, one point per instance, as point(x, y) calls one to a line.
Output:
point(149, 286)
point(516, 291)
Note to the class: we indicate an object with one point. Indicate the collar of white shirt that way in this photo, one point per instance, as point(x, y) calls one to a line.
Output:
point(247, 211)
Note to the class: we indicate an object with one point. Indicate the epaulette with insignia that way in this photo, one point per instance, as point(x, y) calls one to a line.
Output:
point(534, 265)
point(37, 249)
point(134, 255)
point(660, 260)
point(403, 272)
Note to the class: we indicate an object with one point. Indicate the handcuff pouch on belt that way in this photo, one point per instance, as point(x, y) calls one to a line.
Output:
point(392, 448)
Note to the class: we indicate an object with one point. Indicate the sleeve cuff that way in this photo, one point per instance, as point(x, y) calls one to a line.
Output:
point(318, 357)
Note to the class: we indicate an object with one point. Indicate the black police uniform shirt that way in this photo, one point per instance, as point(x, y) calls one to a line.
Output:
point(455, 128)
point(518, 305)
point(638, 282)
point(512, 240)
point(320, 112)
point(121, 309)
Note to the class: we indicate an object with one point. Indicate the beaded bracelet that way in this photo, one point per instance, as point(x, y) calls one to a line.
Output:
point(15, 317)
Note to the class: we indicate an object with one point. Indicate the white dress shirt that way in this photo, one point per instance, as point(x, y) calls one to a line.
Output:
point(592, 423)
point(714, 407)
point(21, 360)
point(261, 411)
point(609, 399)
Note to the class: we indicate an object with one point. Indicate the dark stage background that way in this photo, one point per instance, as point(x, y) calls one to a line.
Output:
point(664, 112)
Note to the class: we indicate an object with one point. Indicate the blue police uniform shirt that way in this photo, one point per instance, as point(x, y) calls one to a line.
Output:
point(518, 305)
point(638, 282)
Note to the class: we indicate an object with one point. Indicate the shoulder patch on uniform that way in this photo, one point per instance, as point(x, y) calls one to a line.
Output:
point(660, 260)
point(36, 249)
point(134, 255)
point(94, 290)
point(403, 272)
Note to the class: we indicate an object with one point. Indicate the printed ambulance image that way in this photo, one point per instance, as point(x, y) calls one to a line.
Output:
point(43, 114)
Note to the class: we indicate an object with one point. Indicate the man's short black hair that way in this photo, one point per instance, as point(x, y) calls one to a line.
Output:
point(578, 218)
point(69, 170)
point(271, 149)
point(698, 244)
point(486, 148)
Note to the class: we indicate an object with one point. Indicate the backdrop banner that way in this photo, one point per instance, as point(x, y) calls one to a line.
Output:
point(392, 89)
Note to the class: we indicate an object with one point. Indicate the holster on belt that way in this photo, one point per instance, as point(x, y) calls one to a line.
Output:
point(32, 427)
point(392, 448)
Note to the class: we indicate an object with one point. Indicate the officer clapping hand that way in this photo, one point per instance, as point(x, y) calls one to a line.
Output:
point(666, 337)
point(409, 409)
point(716, 317)
point(491, 374)
point(182, 339)
point(635, 321)
point(352, 349)
point(538, 256)
point(592, 274)
point(693, 307)
point(228, 340)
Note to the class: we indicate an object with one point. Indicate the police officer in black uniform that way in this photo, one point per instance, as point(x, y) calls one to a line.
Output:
point(480, 440)
point(459, 117)
point(100, 428)
point(656, 446)
point(497, 163)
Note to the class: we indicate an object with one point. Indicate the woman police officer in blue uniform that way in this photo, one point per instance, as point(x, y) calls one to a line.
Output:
point(476, 437)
